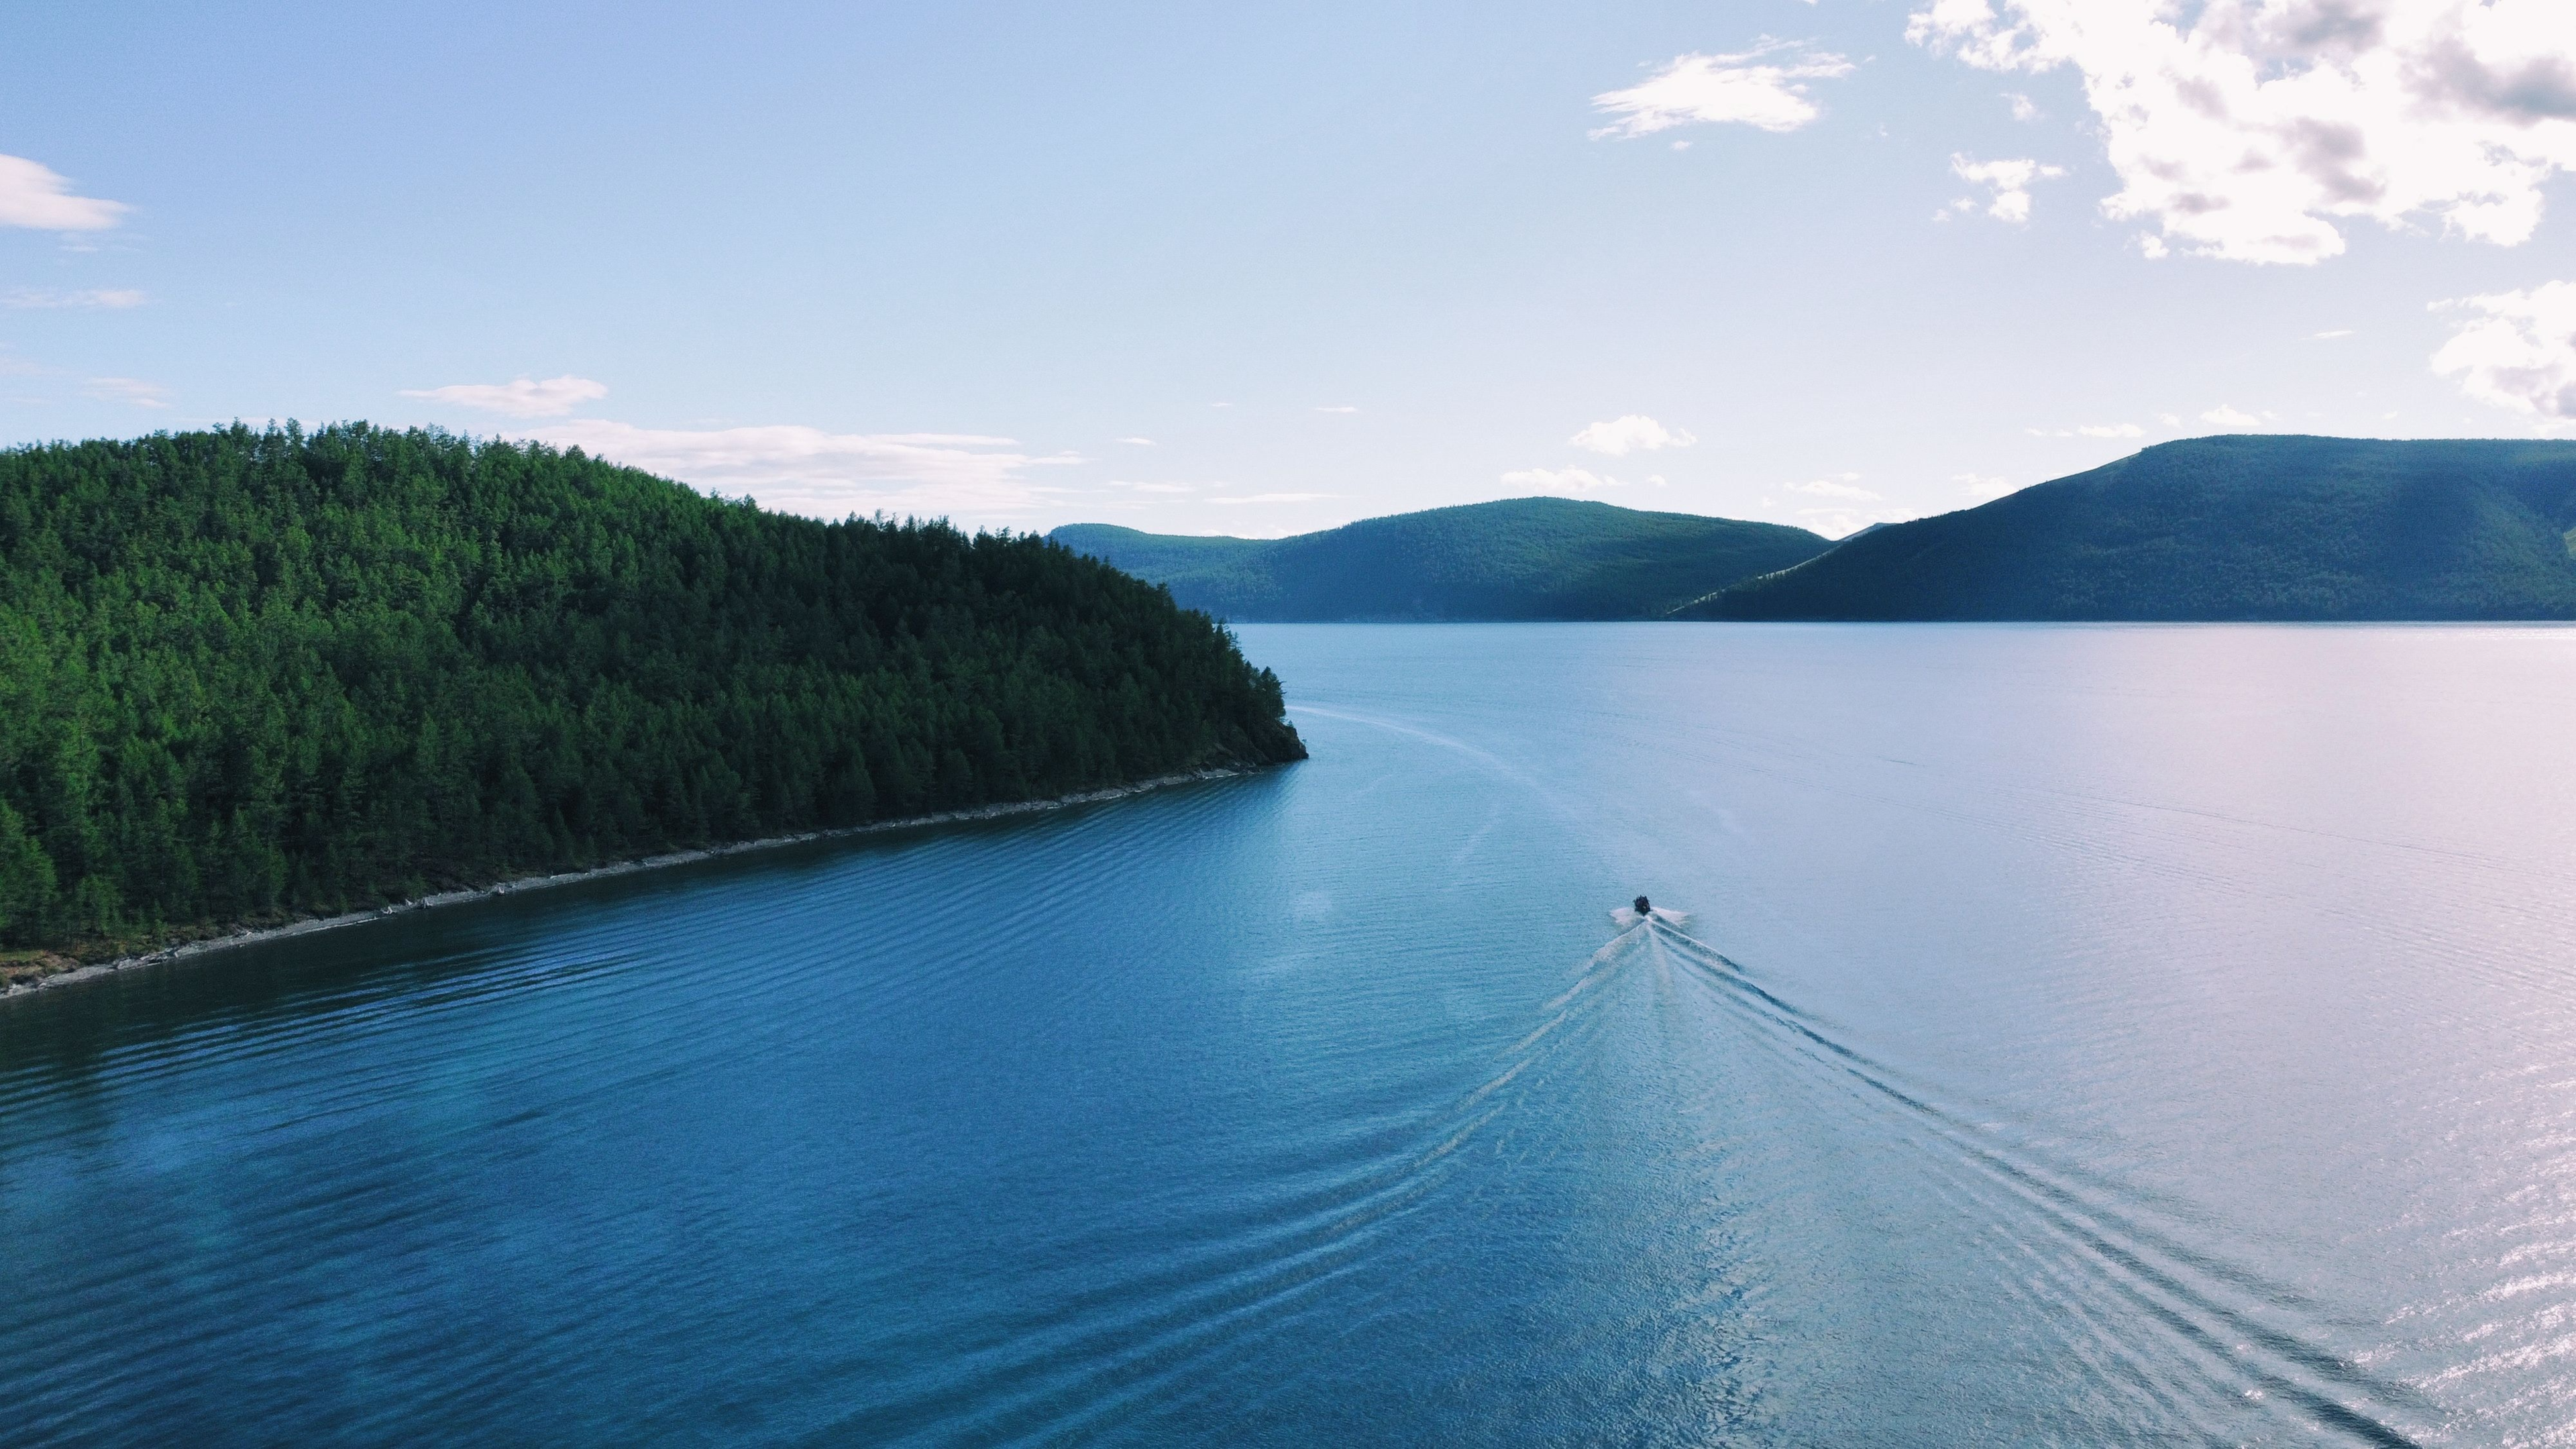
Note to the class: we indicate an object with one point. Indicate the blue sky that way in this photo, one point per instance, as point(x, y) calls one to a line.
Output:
point(1263, 269)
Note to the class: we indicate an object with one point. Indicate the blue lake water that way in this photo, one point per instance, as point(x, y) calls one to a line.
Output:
point(2080, 1036)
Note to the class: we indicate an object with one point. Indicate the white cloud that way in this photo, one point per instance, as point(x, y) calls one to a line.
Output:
point(2330, 336)
point(2170, 420)
point(1634, 432)
point(796, 469)
point(2227, 417)
point(1138, 442)
point(2516, 350)
point(2023, 108)
point(1562, 480)
point(129, 390)
point(48, 297)
point(1984, 490)
point(2096, 430)
point(1840, 487)
point(1337, 410)
point(2246, 129)
point(551, 398)
point(1844, 522)
point(1155, 487)
point(1751, 88)
point(2010, 181)
point(1277, 498)
point(32, 195)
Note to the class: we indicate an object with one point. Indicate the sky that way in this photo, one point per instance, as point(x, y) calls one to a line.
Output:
point(1260, 269)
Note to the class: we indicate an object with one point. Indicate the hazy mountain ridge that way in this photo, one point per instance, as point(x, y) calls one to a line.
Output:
point(1517, 559)
point(2225, 528)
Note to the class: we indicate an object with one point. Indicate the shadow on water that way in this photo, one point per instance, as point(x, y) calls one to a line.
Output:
point(58, 1035)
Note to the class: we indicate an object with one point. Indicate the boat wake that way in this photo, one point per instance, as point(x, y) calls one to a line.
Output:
point(2182, 1339)
point(2199, 1336)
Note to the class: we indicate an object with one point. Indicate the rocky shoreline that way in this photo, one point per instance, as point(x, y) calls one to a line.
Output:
point(245, 936)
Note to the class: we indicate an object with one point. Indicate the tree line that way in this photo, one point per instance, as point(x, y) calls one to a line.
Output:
point(246, 674)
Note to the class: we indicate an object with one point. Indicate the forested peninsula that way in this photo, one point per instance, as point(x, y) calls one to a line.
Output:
point(252, 675)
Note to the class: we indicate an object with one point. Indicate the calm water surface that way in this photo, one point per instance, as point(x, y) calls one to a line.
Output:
point(2080, 1036)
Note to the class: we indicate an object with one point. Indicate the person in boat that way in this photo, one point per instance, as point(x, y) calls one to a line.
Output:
point(1643, 910)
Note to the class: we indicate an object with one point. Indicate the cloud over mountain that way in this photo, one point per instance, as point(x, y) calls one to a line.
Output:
point(522, 398)
point(822, 474)
point(1634, 432)
point(2516, 350)
point(2248, 129)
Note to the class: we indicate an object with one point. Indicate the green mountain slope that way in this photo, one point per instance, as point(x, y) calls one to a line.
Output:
point(1525, 558)
point(245, 674)
point(2222, 528)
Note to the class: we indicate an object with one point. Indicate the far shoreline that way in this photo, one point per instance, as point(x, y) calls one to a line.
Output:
point(309, 925)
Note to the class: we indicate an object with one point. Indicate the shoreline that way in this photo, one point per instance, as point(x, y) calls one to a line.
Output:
point(309, 925)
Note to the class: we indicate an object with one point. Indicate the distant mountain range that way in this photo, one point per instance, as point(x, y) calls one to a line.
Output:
point(2290, 528)
point(2253, 528)
point(1524, 558)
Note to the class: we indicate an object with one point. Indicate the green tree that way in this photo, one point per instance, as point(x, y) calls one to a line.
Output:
point(253, 672)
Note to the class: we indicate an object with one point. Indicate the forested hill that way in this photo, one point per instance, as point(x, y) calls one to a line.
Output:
point(244, 674)
point(2223, 528)
point(1524, 558)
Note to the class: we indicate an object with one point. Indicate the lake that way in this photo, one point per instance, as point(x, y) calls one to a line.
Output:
point(2078, 1036)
